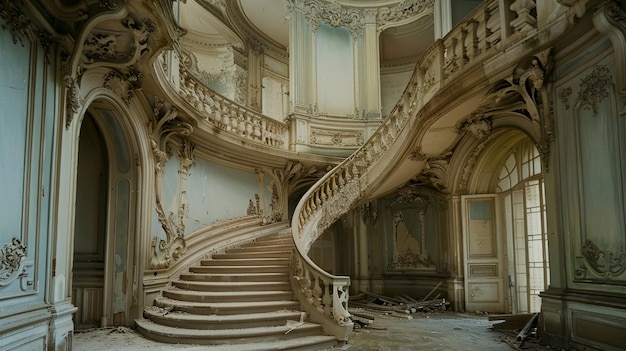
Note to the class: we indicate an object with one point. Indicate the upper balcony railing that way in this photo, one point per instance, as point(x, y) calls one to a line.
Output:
point(222, 113)
point(467, 45)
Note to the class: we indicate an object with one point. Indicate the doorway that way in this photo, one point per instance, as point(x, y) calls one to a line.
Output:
point(102, 282)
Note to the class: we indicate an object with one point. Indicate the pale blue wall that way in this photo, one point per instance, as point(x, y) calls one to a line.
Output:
point(214, 193)
point(335, 71)
point(27, 127)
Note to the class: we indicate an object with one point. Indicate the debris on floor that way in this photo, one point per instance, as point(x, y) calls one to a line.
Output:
point(365, 306)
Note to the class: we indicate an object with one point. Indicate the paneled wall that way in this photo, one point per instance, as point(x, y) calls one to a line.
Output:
point(27, 128)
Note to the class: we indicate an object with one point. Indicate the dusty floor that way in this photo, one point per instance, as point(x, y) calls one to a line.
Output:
point(434, 331)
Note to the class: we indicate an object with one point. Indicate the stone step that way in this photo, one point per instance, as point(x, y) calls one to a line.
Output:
point(287, 247)
point(290, 330)
point(269, 242)
point(281, 268)
point(252, 254)
point(232, 286)
point(245, 262)
point(174, 318)
point(235, 277)
point(225, 308)
point(228, 296)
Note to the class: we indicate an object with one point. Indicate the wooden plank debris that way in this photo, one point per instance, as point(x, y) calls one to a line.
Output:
point(365, 306)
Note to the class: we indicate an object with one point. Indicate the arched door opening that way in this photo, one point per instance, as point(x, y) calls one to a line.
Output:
point(521, 189)
point(102, 283)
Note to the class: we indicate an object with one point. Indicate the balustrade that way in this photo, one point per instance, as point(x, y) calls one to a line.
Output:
point(467, 45)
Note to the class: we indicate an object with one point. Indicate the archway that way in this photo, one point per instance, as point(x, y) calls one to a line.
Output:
point(507, 183)
point(102, 284)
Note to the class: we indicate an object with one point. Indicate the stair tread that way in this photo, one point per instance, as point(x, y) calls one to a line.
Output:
point(223, 333)
point(231, 293)
point(242, 304)
point(235, 284)
point(158, 311)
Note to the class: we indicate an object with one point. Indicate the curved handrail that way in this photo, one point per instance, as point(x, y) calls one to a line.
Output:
point(222, 113)
point(467, 45)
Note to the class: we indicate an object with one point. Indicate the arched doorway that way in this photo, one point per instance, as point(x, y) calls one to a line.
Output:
point(102, 283)
point(504, 228)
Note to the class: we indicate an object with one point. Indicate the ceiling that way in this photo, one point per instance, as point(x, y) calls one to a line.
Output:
point(398, 45)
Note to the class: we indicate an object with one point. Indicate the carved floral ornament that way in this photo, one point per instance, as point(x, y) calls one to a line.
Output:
point(602, 263)
point(594, 88)
point(164, 126)
point(12, 258)
point(337, 15)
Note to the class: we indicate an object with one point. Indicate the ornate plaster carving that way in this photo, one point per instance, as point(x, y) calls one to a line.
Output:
point(523, 94)
point(564, 95)
point(16, 22)
point(477, 124)
point(594, 88)
point(120, 48)
point(605, 264)
point(435, 169)
point(163, 127)
point(334, 14)
point(336, 137)
point(12, 258)
point(404, 10)
point(471, 161)
point(72, 99)
point(123, 84)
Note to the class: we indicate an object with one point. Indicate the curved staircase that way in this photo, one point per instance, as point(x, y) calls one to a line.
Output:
point(242, 297)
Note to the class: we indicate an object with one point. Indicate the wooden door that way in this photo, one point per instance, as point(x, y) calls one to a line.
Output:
point(484, 254)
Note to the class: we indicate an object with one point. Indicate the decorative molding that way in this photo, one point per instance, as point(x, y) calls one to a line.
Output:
point(334, 14)
point(477, 124)
point(123, 85)
point(564, 95)
point(16, 22)
point(163, 127)
point(523, 94)
point(471, 161)
point(325, 137)
point(594, 88)
point(435, 169)
point(603, 263)
point(120, 48)
point(72, 99)
point(12, 257)
point(403, 11)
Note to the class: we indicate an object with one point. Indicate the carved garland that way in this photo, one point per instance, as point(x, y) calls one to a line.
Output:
point(164, 126)
point(404, 10)
point(594, 88)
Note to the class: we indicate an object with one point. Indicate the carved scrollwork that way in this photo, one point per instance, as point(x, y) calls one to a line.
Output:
point(123, 84)
point(164, 126)
point(12, 258)
point(404, 10)
point(603, 263)
point(435, 169)
point(334, 14)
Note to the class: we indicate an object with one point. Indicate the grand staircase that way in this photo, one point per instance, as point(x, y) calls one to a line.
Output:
point(241, 299)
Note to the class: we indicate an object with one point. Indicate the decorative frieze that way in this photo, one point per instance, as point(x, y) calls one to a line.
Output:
point(327, 137)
